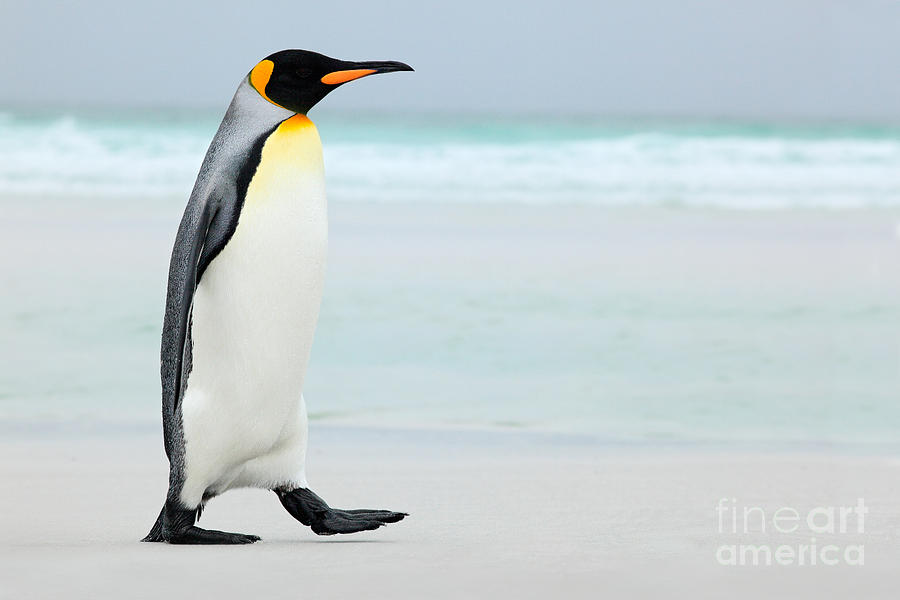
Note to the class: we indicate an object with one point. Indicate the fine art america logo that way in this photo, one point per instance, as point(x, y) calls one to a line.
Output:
point(787, 536)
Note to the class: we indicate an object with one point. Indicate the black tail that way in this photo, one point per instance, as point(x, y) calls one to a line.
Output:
point(155, 534)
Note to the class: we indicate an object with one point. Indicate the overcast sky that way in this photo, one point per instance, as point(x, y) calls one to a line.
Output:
point(747, 58)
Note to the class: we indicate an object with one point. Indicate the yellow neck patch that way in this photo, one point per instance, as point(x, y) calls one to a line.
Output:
point(290, 165)
point(295, 123)
point(259, 78)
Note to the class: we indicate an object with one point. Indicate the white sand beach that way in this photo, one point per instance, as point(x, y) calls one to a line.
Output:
point(682, 357)
point(493, 515)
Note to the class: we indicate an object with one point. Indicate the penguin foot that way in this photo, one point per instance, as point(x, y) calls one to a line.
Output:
point(305, 506)
point(176, 526)
point(195, 535)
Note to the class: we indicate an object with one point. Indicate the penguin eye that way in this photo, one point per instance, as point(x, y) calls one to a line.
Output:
point(304, 72)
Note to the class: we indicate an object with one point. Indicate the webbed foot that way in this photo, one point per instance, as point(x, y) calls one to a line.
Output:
point(195, 535)
point(305, 506)
point(176, 526)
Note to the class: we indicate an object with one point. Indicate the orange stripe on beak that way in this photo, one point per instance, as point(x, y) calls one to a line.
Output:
point(337, 77)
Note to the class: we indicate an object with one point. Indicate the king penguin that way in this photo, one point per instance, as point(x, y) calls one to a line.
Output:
point(245, 285)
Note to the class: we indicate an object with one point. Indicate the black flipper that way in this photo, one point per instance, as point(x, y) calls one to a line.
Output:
point(305, 506)
point(183, 278)
point(176, 526)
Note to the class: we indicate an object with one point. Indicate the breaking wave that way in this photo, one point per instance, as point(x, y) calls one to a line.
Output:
point(447, 160)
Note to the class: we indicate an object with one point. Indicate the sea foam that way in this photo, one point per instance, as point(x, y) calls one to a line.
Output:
point(479, 161)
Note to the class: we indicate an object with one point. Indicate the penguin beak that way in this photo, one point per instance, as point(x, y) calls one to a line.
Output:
point(355, 70)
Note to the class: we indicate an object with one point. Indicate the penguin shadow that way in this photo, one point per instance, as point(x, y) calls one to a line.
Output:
point(294, 542)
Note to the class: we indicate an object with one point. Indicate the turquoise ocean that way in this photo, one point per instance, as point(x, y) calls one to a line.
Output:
point(635, 280)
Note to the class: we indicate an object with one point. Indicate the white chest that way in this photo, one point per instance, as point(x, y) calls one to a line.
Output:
point(256, 308)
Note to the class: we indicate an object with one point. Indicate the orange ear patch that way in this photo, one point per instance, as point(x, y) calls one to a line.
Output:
point(260, 74)
point(337, 77)
point(259, 78)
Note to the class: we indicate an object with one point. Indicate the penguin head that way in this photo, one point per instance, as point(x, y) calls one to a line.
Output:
point(298, 79)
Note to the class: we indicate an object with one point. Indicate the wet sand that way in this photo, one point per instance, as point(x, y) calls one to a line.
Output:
point(493, 514)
